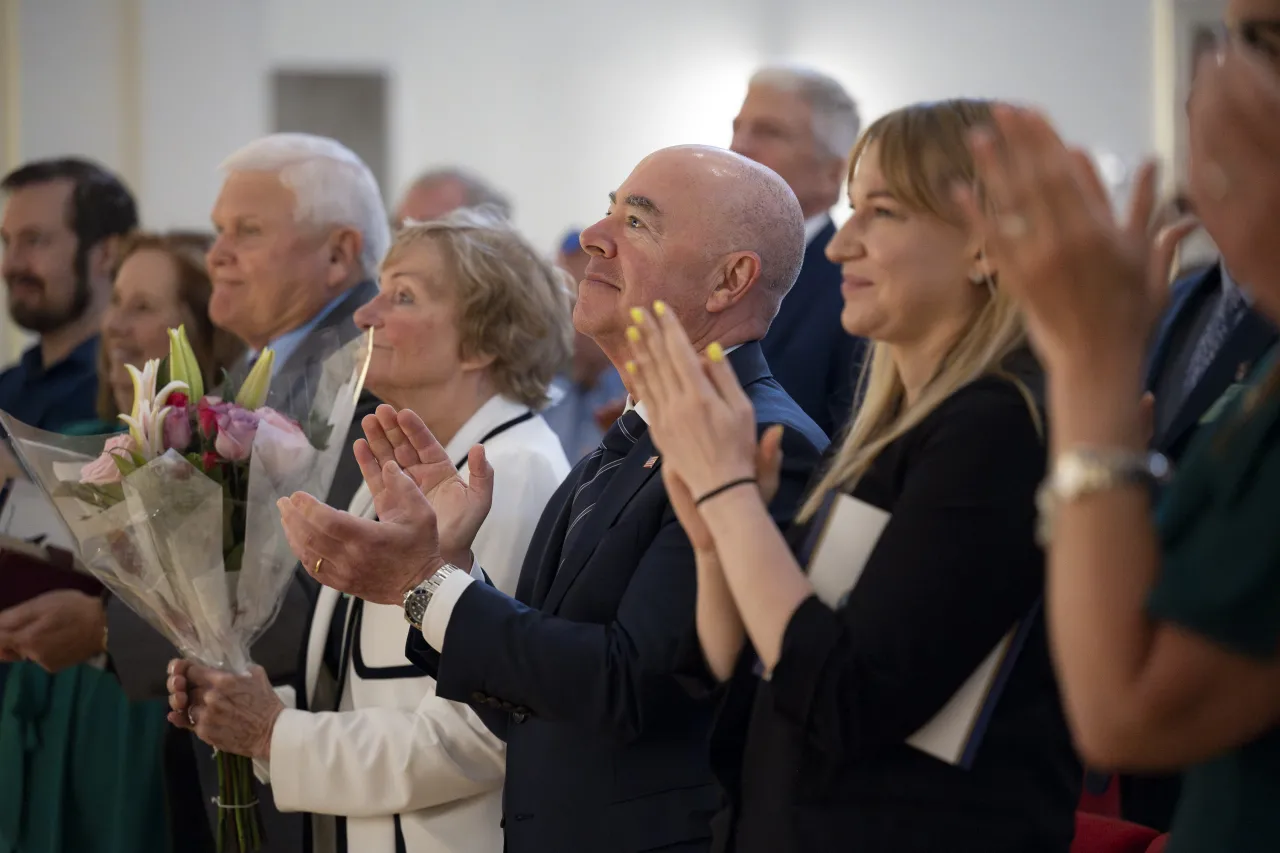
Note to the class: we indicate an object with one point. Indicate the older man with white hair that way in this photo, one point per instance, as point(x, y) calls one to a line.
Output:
point(301, 228)
point(802, 124)
point(300, 233)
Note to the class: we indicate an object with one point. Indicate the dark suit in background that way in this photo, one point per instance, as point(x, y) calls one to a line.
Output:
point(807, 349)
point(1179, 411)
point(605, 750)
point(140, 655)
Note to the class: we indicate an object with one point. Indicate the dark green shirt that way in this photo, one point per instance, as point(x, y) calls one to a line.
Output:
point(1220, 538)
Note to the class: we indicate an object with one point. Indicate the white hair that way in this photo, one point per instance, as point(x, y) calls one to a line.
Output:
point(331, 186)
point(835, 114)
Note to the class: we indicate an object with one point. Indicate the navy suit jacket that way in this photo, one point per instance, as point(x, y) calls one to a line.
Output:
point(811, 355)
point(1251, 339)
point(580, 672)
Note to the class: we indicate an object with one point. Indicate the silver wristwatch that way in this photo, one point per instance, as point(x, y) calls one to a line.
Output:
point(1083, 471)
point(417, 599)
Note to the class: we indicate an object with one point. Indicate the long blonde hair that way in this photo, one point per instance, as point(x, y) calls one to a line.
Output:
point(923, 153)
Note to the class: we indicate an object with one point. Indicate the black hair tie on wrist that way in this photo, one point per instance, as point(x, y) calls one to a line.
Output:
point(732, 484)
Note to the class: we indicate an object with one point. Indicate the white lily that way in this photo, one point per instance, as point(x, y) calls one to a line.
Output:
point(146, 421)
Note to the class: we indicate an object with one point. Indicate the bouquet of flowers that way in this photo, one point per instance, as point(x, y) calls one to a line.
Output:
point(177, 516)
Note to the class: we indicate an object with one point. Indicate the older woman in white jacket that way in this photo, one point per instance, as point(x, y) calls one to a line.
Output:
point(470, 326)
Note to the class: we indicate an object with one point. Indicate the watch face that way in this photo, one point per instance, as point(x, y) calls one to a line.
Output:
point(415, 607)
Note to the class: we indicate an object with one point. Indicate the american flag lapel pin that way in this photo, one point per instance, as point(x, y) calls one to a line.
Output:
point(653, 460)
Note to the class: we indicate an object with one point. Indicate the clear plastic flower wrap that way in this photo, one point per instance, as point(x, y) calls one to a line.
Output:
point(178, 517)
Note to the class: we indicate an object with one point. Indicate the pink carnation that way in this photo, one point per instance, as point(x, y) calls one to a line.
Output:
point(103, 470)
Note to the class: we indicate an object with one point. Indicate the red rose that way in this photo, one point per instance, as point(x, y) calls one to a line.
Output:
point(178, 400)
point(209, 461)
point(207, 411)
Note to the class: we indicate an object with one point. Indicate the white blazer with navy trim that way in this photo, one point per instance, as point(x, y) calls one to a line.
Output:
point(403, 768)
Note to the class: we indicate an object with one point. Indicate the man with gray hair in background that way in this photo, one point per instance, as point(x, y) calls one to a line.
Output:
point(802, 124)
point(439, 192)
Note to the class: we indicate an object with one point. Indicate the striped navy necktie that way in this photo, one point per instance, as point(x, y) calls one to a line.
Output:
point(601, 465)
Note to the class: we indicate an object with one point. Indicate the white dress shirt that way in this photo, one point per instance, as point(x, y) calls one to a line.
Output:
point(395, 751)
point(813, 227)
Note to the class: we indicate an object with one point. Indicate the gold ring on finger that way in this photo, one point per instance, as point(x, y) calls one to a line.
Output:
point(315, 570)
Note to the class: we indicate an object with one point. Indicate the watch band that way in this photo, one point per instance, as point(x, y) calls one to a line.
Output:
point(1083, 471)
point(417, 599)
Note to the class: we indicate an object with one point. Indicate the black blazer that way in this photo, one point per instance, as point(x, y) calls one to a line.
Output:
point(1247, 344)
point(826, 766)
point(809, 352)
point(605, 749)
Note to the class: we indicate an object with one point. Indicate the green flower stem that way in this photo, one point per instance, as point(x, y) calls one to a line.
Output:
point(235, 791)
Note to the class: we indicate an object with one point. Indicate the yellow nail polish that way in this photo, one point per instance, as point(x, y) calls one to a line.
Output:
point(715, 352)
point(637, 316)
point(633, 334)
point(659, 308)
point(630, 366)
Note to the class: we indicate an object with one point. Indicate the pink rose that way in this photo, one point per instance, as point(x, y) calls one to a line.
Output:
point(236, 429)
point(103, 471)
point(283, 447)
point(177, 428)
point(281, 422)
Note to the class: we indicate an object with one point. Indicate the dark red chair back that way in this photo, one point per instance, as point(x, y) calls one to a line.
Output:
point(1098, 834)
point(1099, 800)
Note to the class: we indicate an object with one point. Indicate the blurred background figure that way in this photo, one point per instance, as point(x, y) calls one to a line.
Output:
point(160, 284)
point(588, 394)
point(802, 124)
point(441, 191)
point(63, 223)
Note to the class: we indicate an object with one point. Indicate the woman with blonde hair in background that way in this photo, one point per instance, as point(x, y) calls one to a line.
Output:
point(948, 442)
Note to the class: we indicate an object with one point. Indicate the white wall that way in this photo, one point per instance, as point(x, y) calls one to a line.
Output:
point(203, 94)
point(553, 101)
point(70, 79)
